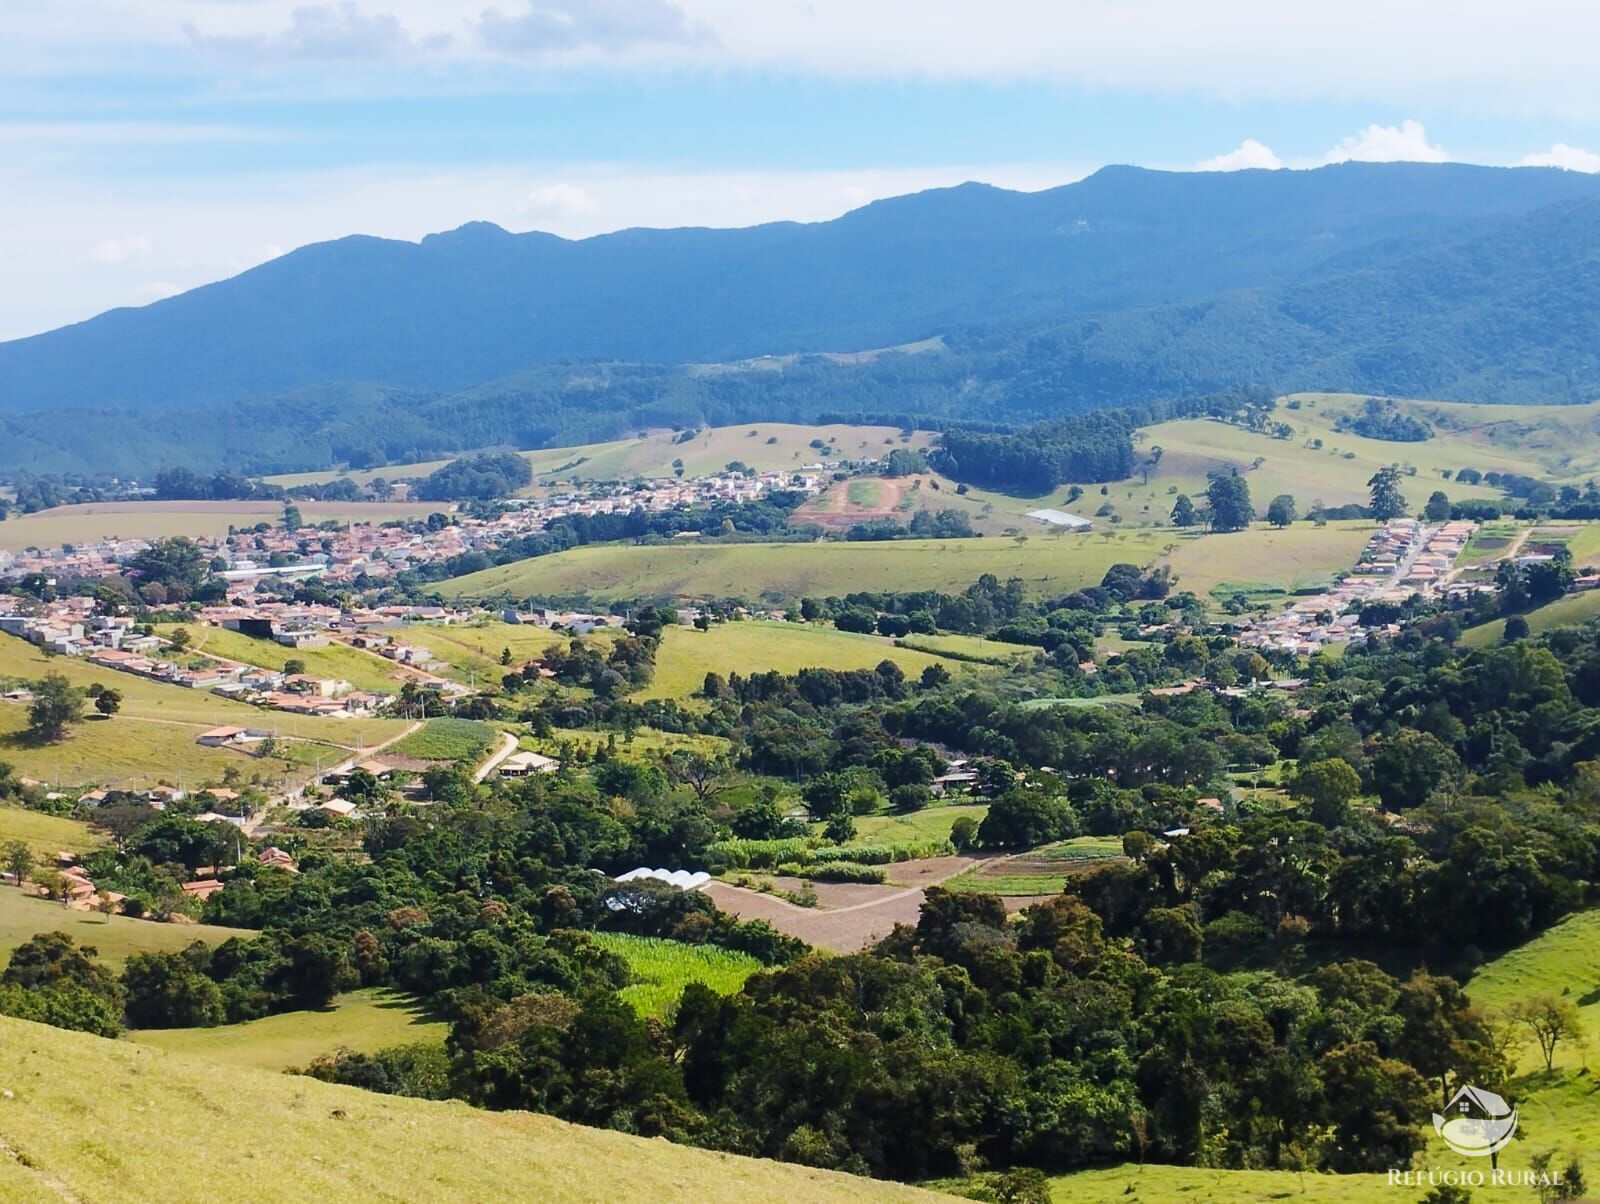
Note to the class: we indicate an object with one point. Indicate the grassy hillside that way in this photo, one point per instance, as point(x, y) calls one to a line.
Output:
point(152, 738)
point(762, 445)
point(363, 670)
point(1045, 562)
point(1540, 441)
point(46, 835)
point(362, 1021)
point(1295, 557)
point(1570, 611)
point(154, 520)
point(664, 968)
point(115, 937)
point(91, 1119)
point(686, 655)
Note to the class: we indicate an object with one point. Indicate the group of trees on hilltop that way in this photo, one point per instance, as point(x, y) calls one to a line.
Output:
point(1040, 457)
point(477, 478)
point(1381, 418)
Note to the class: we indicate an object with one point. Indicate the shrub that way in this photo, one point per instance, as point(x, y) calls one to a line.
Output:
point(847, 871)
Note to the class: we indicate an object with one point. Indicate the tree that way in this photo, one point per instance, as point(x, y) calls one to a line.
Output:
point(167, 990)
point(18, 860)
point(840, 829)
point(292, 521)
point(1183, 514)
point(1021, 819)
point(56, 706)
point(1387, 500)
point(1438, 508)
point(1281, 511)
point(1229, 498)
point(293, 666)
point(1516, 629)
point(179, 639)
point(1551, 1019)
point(706, 775)
point(1327, 786)
point(505, 655)
point(108, 702)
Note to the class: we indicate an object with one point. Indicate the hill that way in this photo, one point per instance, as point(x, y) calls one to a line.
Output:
point(63, 1140)
point(786, 570)
point(1130, 284)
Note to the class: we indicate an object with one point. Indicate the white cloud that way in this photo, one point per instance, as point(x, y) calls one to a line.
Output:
point(325, 32)
point(1405, 143)
point(121, 250)
point(560, 201)
point(543, 27)
point(1572, 158)
point(1246, 155)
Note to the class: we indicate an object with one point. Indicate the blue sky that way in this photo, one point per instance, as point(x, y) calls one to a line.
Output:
point(147, 146)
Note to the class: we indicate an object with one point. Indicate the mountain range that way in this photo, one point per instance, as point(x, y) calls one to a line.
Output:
point(1441, 280)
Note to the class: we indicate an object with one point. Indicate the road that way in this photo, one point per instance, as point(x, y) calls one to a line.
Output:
point(508, 745)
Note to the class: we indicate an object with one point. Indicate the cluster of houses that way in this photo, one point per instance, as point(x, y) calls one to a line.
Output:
point(378, 551)
point(1402, 558)
point(74, 889)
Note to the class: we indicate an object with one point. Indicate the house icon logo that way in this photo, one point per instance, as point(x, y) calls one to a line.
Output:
point(1476, 1123)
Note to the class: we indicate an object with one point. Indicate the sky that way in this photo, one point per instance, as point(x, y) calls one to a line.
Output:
point(149, 146)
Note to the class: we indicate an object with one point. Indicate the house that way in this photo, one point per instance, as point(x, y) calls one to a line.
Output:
point(217, 737)
point(521, 764)
point(961, 779)
point(275, 856)
point(202, 889)
point(338, 806)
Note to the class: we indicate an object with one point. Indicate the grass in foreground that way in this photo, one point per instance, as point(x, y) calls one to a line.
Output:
point(91, 1119)
point(663, 968)
point(362, 1021)
point(114, 937)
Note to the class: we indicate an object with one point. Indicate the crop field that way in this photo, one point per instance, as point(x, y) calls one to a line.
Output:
point(446, 739)
point(114, 937)
point(1041, 871)
point(94, 521)
point(687, 655)
point(663, 968)
point(346, 1144)
point(46, 835)
point(1295, 557)
point(1046, 563)
point(363, 670)
point(151, 739)
point(1570, 611)
point(362, 1021)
